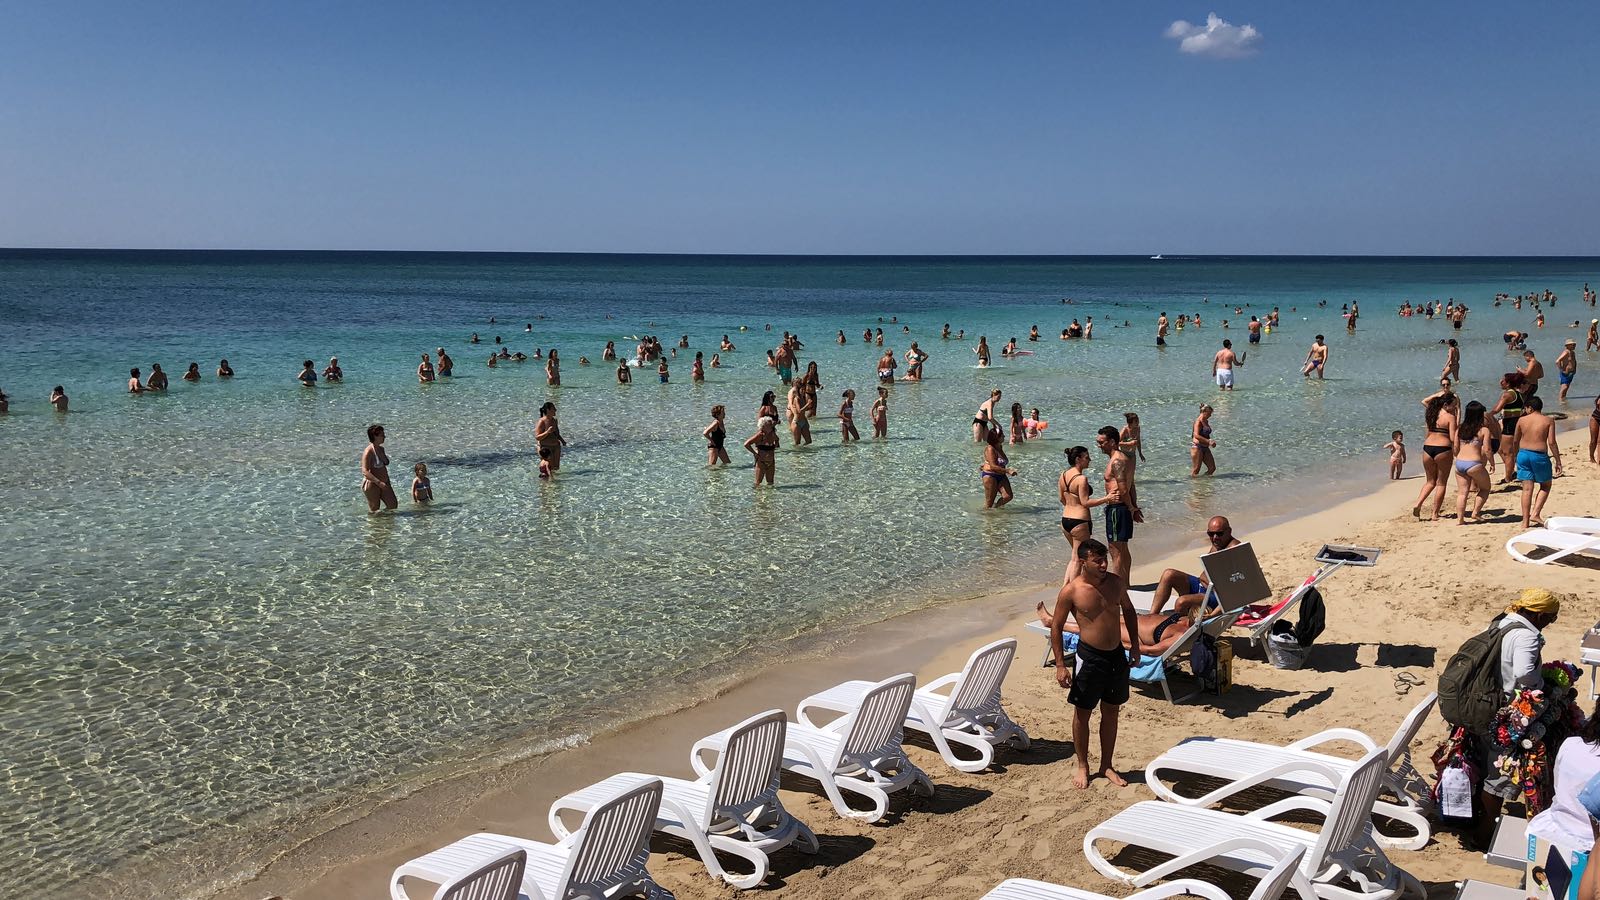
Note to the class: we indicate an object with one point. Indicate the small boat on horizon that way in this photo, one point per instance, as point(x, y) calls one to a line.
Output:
point(1157, 256)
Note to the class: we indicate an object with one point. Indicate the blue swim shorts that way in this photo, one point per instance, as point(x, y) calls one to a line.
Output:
point(1533, 466)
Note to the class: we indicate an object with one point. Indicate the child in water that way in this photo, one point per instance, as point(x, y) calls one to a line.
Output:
point(421, 487)
point(1397, 455)
point(544, 462)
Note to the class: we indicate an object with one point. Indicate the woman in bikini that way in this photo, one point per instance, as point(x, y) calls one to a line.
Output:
point(847, 419)
point(425, 371)
point(1075, 490)
point(375, 472)
point(610, 353)
point(996, 472)
point(1438, 450)
point(1018, 434)
point(880, 414)
point(1201, 444)
point(1474, 460)
point(547, 434)
point(552, 372)
point(984, 418)
point(1594, 432)
point(810, 383)
point(763, 445)
point(715, 434)
point(983, 351)
point(1510, 408)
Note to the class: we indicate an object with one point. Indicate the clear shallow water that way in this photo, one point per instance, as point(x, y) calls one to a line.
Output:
point(206, 628)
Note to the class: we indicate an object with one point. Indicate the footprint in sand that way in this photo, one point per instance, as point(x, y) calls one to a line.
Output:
point(1041, 850)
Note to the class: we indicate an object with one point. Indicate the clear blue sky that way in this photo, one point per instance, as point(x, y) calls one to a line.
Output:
point(848, 127)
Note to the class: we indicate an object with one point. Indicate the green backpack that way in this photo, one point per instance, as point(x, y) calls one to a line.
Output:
point(1469, 686)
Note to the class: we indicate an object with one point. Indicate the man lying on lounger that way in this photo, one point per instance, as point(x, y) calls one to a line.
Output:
point(1156, 632)
point(1191, 589)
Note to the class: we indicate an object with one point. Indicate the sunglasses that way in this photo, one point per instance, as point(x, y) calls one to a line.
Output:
point(1216, 533)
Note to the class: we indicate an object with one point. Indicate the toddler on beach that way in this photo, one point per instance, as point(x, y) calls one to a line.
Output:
point(1397, 455)
point(421, 487)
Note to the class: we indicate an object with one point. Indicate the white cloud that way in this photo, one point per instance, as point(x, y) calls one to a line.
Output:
point(1216, 38)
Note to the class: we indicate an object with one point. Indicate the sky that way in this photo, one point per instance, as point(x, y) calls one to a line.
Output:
point(816, 127)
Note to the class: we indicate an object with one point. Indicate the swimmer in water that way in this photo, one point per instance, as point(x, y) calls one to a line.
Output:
point(697, 371)
point(375, 484)
point(552, 377)
point(995, 472)
point(983, 351)
point(847, 419)
point(425, 371)
point(134, 385)
point(1201, 444)
point(763, 445)
point(445, 366)
point(547, 434)
point(984, 418)
point(715, 434)
point(880, 414)
point(158, 379)
point(661, 370)
point(224, 370)
point(716, 360)
point(193, 374)
point(58, 398)
point(1018, 432)
point(623, 375)
point(308, 374)
point(421, 487)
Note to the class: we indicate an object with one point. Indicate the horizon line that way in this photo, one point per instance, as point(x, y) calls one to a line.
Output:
point(1165, 257)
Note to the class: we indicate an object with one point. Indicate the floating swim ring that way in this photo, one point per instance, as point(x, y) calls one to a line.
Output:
point(1035, 424)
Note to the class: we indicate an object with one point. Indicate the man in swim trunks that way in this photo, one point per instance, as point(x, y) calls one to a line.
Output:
point(1316, 359)
point(1255, 330)
point(1566, 367)
point(1098, 600)
point(1191, 589)
point(1222, 366)
point(1536, 446)
point(1533, 370)
point(1122, 506)
point(1161, 330)
point(445, 364)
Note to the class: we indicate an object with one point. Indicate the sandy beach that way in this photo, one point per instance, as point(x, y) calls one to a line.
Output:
point(1436, 584)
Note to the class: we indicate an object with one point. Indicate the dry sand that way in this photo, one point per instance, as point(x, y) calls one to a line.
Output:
point(1436, 584)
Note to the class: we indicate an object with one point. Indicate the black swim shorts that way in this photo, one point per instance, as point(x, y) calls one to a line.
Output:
point(1119, 523)
point(1102, 677)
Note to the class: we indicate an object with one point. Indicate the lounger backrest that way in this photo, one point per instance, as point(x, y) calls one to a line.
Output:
point(978, 688)
point(499, 878)
point(748, 770)
point(880, 722)
point(612, 845)
point(1407, 732)
point(1272, 886)
point(1351, 812)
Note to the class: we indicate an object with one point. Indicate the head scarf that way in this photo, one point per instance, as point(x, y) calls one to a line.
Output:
point(1535, 600)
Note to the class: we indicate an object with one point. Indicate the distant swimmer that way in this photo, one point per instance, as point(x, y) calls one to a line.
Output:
point(995, 471)
point(193, 374)
point(984, 417)
point(1033, 333)
point(375, 484)
point(842, 338)
point(716, 360)
point(473, 339)
point(5, 403)
point(58, 398)
point(308, 374)
point(332, 372)
point(494, 361)
point(847, 419)
point(1316, 359)
point(609, 354)
point(880, 414)
point(1161, 330)
point(799, 425)
point(624, 376)
point(982, 350)
point(697, 370)
point(446, 365)
point(158, 379)
point(716, 434)
point(425, 374)
point(886, 367)
point(1452, 360)
point(552, 377)
point(915, 357)
point(547, 435)
point(1019, 433)
point(1222, 365)
point(1201, 444)
point(224, 370)
point(1255, 330)
point(135, 386)
point(763, 445)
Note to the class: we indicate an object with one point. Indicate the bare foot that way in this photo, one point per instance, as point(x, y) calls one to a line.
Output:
point(1080, 778)
point(1112, 776)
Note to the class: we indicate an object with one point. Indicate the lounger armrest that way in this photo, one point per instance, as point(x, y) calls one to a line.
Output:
point(1334, 734)
point(1193, 857)
point(1310, 804)
point(939, 684)
point(1180, 887)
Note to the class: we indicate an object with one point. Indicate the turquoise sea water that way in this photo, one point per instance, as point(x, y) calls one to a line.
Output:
point(209, 641)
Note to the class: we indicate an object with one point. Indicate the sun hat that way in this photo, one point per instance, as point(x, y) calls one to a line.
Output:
point(1572, 342)
point(1535, 600)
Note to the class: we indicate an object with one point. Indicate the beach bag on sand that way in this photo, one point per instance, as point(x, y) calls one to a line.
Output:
point(1456, 790)
point(1469, 687)
point(1203, 658)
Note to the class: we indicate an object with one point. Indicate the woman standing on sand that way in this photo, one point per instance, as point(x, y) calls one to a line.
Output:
point(1017, 431)
point(1201, 444)
point(847, 419)
point(552, 373)
point(995, 473)
point(880, 414)
point(763, 445)
point(1075, 490)
point(375, 472)
point(1438, 449)
point(983, 351)
point(715, 434)
point(983, 420)
point(547, 435)
point(1474, 460)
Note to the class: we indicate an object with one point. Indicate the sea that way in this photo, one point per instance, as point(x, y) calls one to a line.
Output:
point(210, 644)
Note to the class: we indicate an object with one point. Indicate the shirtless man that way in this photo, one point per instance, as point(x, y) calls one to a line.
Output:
point(1161, 330)
point(446, 365)
point(1122, 502)
point(1566, 367)
point(1255, 330)
point(1098, 600)
point(1536, 447)
point(1191, 589)
point(1222, 366)
point(1533, 370)
point(1316, 359)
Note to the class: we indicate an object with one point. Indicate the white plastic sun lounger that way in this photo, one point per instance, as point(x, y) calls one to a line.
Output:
point(1271, 887)
point(498, 878)
point(960, 708)
point(1300, 769)
point(1562, 544)
point(859, 752)
point(734, 808)
point(1251, 843)
point(1574, 524)
point(605, 858)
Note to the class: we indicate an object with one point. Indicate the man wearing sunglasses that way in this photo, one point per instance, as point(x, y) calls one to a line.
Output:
point(1191, 589)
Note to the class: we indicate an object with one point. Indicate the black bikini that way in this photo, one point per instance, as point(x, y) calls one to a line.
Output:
point(1067, 525)
point(1161, 628)
point(717, 436)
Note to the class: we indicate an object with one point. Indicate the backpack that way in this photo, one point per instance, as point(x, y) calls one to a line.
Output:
point(1469, 686)
point(1203, 658)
